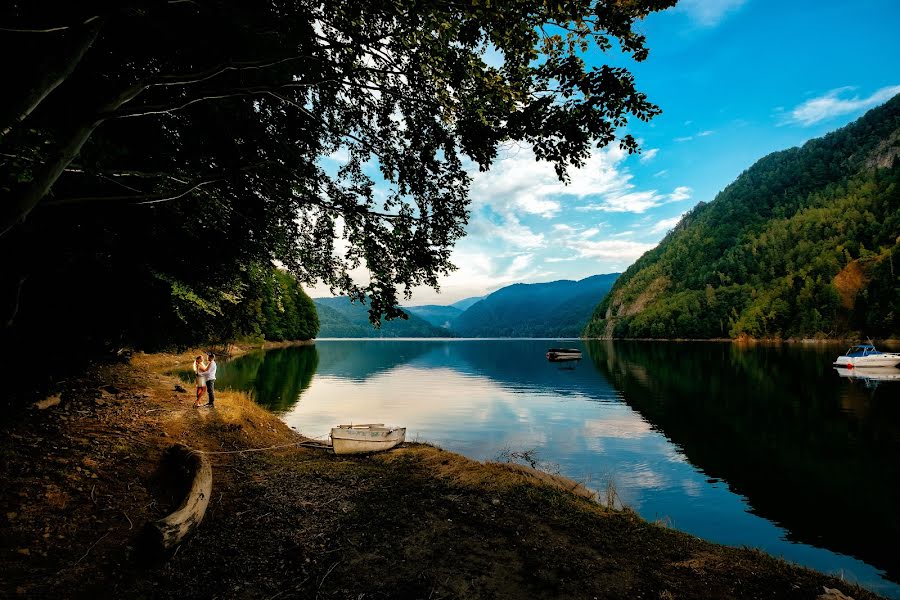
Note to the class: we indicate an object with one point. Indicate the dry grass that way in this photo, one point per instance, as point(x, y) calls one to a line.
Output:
point(487, 476)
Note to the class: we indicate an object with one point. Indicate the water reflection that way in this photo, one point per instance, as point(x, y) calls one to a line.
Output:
point(763, 446)
point(811, 452)
point(275, 378)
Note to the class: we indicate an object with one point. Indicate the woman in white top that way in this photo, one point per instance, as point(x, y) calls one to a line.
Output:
point(200, 369)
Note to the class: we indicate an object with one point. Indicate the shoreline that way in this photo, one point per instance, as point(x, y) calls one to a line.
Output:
point(298, 522)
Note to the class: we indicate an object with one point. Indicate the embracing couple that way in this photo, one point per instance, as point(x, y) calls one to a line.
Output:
point(206, 378)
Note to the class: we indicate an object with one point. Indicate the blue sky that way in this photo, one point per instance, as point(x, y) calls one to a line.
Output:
point(736, 80)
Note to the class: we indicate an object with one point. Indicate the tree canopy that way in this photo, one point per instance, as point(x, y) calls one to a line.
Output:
point(168, 146)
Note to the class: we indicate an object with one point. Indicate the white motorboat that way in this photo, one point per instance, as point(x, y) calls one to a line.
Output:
point(866, 356)
point(366, 437)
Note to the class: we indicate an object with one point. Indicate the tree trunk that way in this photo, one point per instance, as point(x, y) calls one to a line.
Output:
point(49, 77)
point(165, 534)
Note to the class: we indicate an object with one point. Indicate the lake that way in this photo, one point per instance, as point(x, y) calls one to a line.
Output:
point(763, 446)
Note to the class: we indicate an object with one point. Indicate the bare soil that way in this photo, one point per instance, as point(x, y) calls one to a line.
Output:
point(78, 481)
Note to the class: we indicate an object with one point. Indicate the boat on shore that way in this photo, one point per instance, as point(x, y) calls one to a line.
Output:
point(563, 354)
point(366, 437)
point(867, 356)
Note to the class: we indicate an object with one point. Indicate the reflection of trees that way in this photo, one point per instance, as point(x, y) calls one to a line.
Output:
point(770, 421)
point(276, 378)
point(283, 376)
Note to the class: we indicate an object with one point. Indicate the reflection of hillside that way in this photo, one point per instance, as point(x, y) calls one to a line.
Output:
point(360, 359)
point(771, 422)
point(276, 378)
point(520, 365)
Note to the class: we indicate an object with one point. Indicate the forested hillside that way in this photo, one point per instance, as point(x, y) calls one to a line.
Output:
point(340, 318)
point(554, 309)
point(802, 244)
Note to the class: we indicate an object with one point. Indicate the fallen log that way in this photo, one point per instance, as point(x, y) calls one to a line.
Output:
point(164, 535)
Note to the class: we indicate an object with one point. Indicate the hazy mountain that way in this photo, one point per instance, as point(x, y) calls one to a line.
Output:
point(554, 309)
point(338, 317)
point(804, 243)
point(439, 316)
point(465, 303)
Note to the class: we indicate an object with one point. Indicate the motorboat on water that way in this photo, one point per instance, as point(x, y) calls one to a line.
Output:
point(366, 437)
point(563, 354)
point(866, 356)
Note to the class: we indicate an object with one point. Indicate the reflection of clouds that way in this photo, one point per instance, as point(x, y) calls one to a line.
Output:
point(691, 488)
point(674, 455)
point(641, 476)
point(621, 427)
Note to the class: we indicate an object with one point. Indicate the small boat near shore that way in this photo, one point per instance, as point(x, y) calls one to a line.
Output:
point(866, 356)
point(366, 437)
point(563, 354)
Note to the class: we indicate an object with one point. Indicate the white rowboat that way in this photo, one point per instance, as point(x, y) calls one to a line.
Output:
point(367, 437)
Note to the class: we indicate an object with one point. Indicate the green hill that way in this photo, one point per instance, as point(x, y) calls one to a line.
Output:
point(802, 244)
point(341, 319)
point(554, 309)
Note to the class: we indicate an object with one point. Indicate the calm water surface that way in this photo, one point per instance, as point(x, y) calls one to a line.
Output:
point(766, 447)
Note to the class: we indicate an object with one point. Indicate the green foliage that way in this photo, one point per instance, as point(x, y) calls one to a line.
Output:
point(191, 140)
point(802, 244)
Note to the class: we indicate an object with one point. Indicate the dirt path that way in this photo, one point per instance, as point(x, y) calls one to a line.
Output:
point(79, 480)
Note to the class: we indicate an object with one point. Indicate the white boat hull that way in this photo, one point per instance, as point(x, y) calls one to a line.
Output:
point(867, 362)
point(361, 439)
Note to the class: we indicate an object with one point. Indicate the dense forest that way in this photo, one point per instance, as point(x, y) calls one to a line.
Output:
point(805, 243)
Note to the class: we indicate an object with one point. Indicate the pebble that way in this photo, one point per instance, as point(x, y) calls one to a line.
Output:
point(11, 515)
point(24, 551)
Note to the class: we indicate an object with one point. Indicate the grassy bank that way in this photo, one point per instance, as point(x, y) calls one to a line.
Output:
point(79, 479)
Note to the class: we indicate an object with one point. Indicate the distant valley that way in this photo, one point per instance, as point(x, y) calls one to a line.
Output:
point(554, 309)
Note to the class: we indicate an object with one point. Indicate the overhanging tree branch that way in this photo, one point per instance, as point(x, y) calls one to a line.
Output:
point(140, 199)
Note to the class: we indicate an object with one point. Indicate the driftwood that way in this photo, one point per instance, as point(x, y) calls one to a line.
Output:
point(166, 534)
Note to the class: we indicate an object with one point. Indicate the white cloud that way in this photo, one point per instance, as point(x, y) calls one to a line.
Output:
point(662, 173)
point(518, 184)
point(637, 202)
point(622, 250)
point(665, 225)
point(682, 192)
point(686, 138)
point(649, 155)
point(835, 103)
point(705, 133)
point(708, 13)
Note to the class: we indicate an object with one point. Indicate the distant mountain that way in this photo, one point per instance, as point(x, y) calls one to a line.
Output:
point(465, 303)
point(554, 309)
point(339, 318)
point(439, 316)
point(805, 243)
